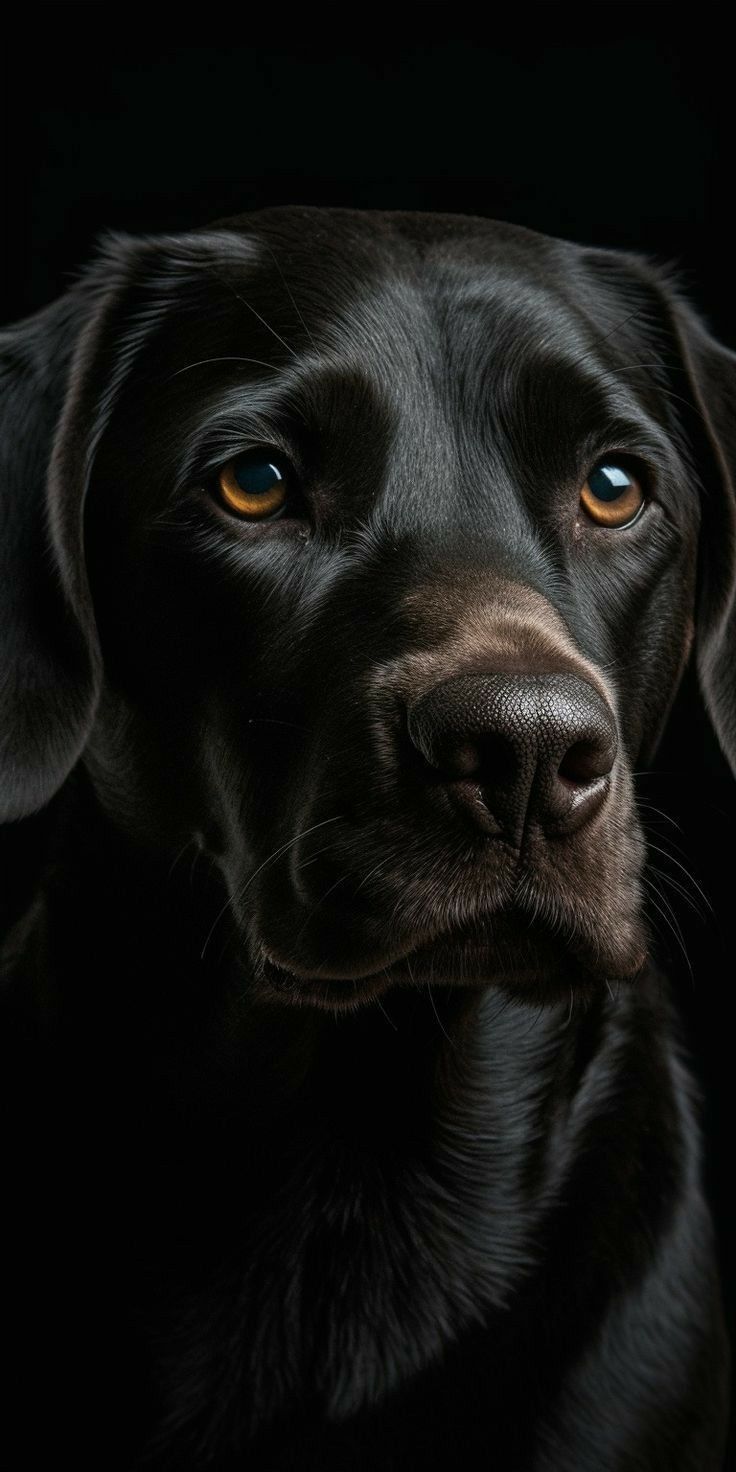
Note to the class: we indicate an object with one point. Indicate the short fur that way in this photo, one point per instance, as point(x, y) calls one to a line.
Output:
point(341, 1134)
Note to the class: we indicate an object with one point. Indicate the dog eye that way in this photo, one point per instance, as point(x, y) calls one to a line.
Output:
point(612, 495)
point(254, 485)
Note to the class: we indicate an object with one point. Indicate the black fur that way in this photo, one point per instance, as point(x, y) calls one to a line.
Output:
point(339, 1133)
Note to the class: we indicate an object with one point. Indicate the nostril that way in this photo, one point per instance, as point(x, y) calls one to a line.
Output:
point(489, 759)
point(462, 760)
point(585, 761)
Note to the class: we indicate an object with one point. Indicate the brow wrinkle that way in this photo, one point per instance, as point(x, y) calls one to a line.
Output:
point(668, 393)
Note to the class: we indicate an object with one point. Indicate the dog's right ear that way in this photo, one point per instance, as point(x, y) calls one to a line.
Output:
point(47, 677)
point(49, 657)
point(60, 375)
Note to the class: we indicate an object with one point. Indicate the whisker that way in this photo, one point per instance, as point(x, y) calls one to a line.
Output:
point(607, 335)
point(273, 721)
point(277, 853)
point(257, 314)
point(437, 1015)
point(320, 901)
point(678, 888)
point(670, 920)
point(227, 358)
point(180, 856)
point(685, 871)
point(290, 293)
point(381, 1007)
point(371, 872)
point(651, 807)
point(328, 848)
point(192, 867)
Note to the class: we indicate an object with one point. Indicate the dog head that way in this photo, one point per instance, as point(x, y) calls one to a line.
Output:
point(365, 552)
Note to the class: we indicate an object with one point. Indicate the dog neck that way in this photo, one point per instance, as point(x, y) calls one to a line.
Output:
point(281, 1146)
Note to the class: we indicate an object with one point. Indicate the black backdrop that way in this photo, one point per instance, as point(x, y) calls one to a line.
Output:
point(607, 124)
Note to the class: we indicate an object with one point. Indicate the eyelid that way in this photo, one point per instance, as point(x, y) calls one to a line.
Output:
point(617, 455)
point(218, 455)
point(218, 440)
point(642, 463)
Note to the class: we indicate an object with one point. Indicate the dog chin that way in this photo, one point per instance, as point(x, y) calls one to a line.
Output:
point(515, 956)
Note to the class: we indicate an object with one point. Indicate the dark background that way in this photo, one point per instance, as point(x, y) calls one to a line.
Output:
point(610, 125)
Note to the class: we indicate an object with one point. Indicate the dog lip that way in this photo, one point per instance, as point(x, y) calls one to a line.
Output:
point(346, 993)
point(323, 974)
point(340, 993)
point(376, 974)
point(372, 971)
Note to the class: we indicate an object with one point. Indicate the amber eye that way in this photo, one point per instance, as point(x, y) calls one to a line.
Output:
point(612, 495)
point(254, 485)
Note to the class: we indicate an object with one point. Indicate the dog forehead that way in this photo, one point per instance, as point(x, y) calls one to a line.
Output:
point(407, 350)
point(359, 238)
point(430, 314)
point(439, 321)
point(343, 272)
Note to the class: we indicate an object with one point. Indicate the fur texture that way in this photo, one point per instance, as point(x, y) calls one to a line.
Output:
point(350, 1133)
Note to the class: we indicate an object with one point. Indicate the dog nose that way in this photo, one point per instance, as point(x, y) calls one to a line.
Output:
point(514, 749)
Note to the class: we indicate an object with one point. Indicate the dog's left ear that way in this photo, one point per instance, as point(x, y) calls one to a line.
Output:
point(711, 373)
point(702, 377)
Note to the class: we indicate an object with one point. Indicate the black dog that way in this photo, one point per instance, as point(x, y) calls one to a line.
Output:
point(352, 564)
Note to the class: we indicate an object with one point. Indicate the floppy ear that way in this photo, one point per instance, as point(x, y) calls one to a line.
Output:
point(47, 675)
point(711, 370)
point(49, 658)
point(60, 374)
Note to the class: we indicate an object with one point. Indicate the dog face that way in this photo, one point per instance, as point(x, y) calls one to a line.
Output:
point(378, 544)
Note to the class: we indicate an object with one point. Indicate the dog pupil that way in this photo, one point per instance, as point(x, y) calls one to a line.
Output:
point(256, 476)
point(608, 482)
